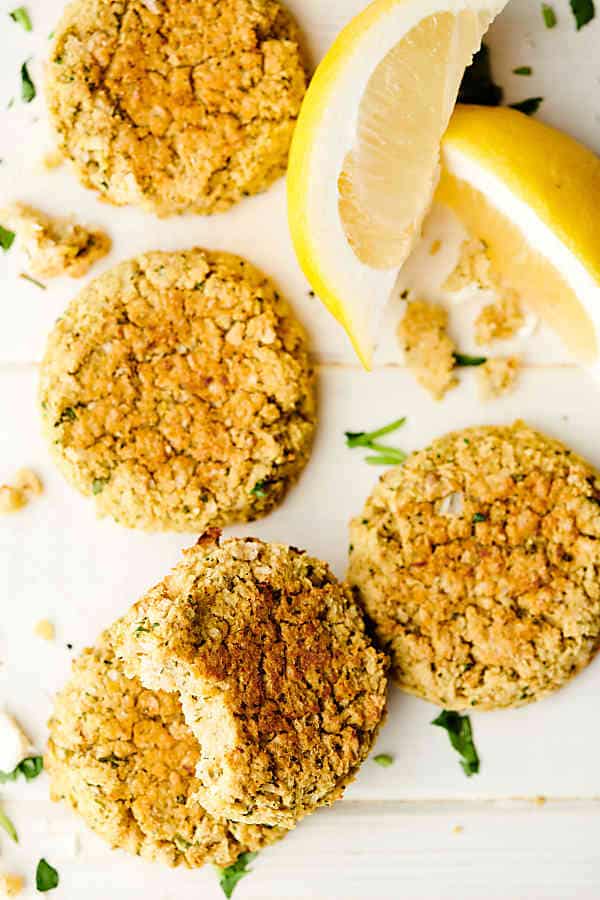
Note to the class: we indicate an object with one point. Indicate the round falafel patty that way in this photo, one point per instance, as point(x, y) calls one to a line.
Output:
point(478, 562)
point(124, 759)
point(178, 392)
point(277, 677)
point(176, 106)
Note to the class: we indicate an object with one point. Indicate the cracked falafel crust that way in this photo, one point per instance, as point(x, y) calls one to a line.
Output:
point(478, 563)
point(178, 392)
point(277, 677)
point(123, 758)
point(176, 107)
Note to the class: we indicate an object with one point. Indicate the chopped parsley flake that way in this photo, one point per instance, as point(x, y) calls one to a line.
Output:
point(386, 456)
point(461, 737)
point(30, 768)
point(523, 70)
point(8, 826)
point(384, 760)
point(260, 489)
point(478, 85)
point(529, 106)
point(230, 876)
point(27, 86)
point(461, 359)
point(21, 17)
point(584, 11)
point(98, 485)
point(67, 415)
point(479, 517)
point(550, 20)
point(46, 876)
point(7, 238)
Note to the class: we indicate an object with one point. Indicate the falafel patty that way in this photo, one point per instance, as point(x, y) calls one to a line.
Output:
point(478, 562)
point(124, 759)
point(177, 391)
point(277, 677)
point(176, 106)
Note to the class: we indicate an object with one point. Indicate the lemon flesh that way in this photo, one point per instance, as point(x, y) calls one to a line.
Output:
point(364, 162)
point(532, 194)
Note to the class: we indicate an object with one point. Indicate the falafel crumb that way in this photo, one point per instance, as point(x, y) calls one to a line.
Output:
point(501, 320)
point(458, 829)
point(55, 246)
point(11, 499)
point(498, 377)
point(428, 350)
point(28, 482)
point(473, 268)
point(45, 629)
point(11, 885)
point(52, 160)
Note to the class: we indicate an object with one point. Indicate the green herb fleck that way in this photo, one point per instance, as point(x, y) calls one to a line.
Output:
point(98, 485)
point(46, 876)
point(584, 11)
point(8, 826)
point(230, 876)
point(21, 17)
point(7, 238)
point(365, 439)
point(67, 415)
point(384, 760)
point(550, 20)
point(529, 106)
point(34, 281)
point(523, 70)
point(260, 489)
point(479, 517)
point(27, 86)
point(181, 843)
point(461, 737)
point(30, 768)
point(461, 359)
point(478, 85)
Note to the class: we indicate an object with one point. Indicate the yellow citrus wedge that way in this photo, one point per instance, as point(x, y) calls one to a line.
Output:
point(364, 162)
point(532, 194)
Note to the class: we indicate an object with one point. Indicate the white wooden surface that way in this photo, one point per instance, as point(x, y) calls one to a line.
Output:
point(393, 835)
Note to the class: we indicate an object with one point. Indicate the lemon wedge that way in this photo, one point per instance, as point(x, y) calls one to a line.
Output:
point(532, 194)
point(364, 163)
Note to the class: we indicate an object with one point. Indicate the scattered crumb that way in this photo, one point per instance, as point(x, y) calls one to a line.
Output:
point(429, 352)
point(435, 248)
point(540, 801)
point(55, 246)
point(11, 499)
point(11, 885)
point(28, 482)
point(497, 377)
point(473, 267)
point(14, 743)
point(45, 629)
point(501, 320)
point(458, 829)
point(52, 160)
point(15, 496)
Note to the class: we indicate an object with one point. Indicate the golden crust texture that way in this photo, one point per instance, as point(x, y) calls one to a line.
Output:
point(277, 677)
point(124, 759)
point(177, 390)
point(176, 106)
point(478, 564)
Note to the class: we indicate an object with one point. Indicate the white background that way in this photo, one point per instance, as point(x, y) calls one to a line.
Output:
point(393, 835)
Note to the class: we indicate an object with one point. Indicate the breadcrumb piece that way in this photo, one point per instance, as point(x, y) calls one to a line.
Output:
point(458, 829)
point(501, 320)
point(45, 629)
point(11, 885)
point(429, 352)
point(28, 482)
point(52, 160)
point(541, 800)
point(473, 267)
point(55, 246)
point(498, 377)
point(11, 499)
